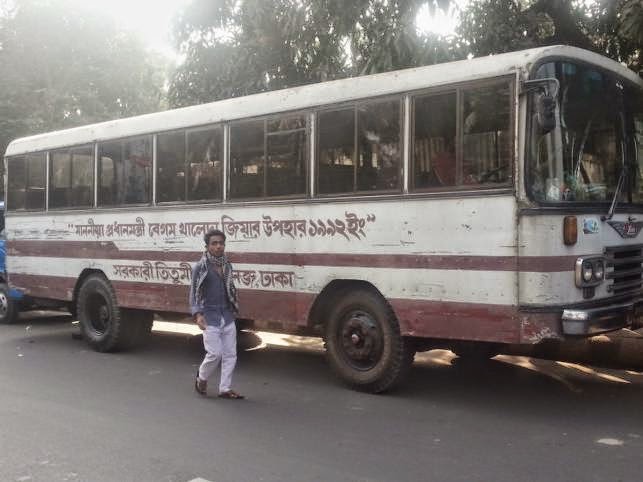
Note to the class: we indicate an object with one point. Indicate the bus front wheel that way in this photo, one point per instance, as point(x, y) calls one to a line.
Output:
point(363, 342)
point(101, 320)
point(8, 308)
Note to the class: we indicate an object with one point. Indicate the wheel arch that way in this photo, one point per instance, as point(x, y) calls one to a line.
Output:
point(323, 303)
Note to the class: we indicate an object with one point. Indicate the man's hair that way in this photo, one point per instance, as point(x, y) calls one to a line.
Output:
point(213, 232)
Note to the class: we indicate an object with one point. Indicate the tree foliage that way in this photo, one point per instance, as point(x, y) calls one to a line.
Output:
point(610, 27)
point(235, 48)
point(63, 66)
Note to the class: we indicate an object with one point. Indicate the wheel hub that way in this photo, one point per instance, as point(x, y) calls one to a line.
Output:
point(103, 314)
point(4, 304)
point(98, 314)
point(361, 340)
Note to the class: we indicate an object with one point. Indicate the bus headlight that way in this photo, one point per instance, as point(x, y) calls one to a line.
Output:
point(590, 271)
point(599, 270)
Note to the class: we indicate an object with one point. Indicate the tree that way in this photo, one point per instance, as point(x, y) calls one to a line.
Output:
point(237, 48)
point(610, 27)
point(64, 66)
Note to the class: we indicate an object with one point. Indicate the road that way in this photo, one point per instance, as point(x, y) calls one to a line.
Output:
point(70, 414)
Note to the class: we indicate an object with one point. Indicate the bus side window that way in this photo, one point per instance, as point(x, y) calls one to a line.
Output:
point(36, 181)
point(59, 178)
point(71, 177)
point(486, 149)
point(379, 149)
point(286, 156)
point(205, 164)
point(247, 160)
point(336, 151)
point(137, 166)
point(434, 153)
point(109, 154)
point(170, 165)
point(82, 177)
point(17, 174)
point(125, 171)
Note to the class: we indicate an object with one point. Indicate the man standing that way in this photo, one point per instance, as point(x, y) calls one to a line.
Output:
point(213, 302)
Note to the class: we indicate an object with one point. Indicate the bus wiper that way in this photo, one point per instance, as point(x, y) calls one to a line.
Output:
point(617, 193)
point(624, 166)
point(619, 184)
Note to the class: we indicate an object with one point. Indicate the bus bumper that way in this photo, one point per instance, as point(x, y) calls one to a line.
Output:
point(592, 321)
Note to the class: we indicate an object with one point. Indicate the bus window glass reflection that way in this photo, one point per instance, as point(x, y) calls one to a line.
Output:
point(205, 164)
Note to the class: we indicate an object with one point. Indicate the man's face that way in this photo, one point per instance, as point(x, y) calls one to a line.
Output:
point(216, 246)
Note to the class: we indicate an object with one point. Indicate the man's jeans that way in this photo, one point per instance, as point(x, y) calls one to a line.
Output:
point(221, 347)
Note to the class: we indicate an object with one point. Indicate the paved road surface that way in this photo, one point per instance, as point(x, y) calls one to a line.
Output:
point(68, 413)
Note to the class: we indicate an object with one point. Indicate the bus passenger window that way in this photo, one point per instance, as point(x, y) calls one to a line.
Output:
point(170, 165)
point(82, 177)
point(247, 160)
point(336, 151)
point(17, 174)
point(109, 155)
point(379, 149)
point(125, 171)
point(71, 178)
point(59, 179)
point(137, 164)
point(36, 181)
point(434, 152)
point(286, 156)
point(486, 154)
point(205, 164)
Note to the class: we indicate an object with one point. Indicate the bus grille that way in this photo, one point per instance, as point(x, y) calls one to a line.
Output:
point(626, 271)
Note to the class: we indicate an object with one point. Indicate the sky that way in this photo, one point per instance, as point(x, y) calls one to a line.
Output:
point(152, 19)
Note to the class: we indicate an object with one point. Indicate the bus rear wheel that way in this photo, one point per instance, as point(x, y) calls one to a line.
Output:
point(8, 308)
point(104, 325)
point(363, 342)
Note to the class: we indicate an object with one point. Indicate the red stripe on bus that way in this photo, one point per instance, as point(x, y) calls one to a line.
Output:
point(451, 320)
point(108, 250)
point(288, 311)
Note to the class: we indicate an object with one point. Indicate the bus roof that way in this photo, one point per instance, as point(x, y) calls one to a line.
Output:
point(310, 96)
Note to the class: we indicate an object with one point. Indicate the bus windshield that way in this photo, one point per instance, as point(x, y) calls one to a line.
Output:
point(597, 141)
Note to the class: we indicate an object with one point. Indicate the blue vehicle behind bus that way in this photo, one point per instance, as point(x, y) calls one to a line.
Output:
point(10, 299)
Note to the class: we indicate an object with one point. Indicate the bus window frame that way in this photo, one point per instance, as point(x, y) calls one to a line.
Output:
point(155, 201)
point(305, 114)
point(459, 88)
point(24, 155)
point(354, 104)
point(98, 179)
point(69, 148)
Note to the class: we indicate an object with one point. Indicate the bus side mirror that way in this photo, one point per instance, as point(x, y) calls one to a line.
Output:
point(546, 113)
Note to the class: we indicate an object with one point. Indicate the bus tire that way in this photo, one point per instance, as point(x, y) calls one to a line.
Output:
point(101, 321)
point(364, 345)
point(8, 307)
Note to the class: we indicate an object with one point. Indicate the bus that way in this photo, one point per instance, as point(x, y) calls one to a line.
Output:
point(470, 205)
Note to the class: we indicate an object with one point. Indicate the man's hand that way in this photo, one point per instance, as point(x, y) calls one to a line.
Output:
point(199, 319)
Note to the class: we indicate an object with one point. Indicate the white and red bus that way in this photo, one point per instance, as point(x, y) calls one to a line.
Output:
point(470, 204)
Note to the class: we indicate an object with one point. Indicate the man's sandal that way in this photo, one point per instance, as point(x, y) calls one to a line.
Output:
point(201, 386)
point(231, 395)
